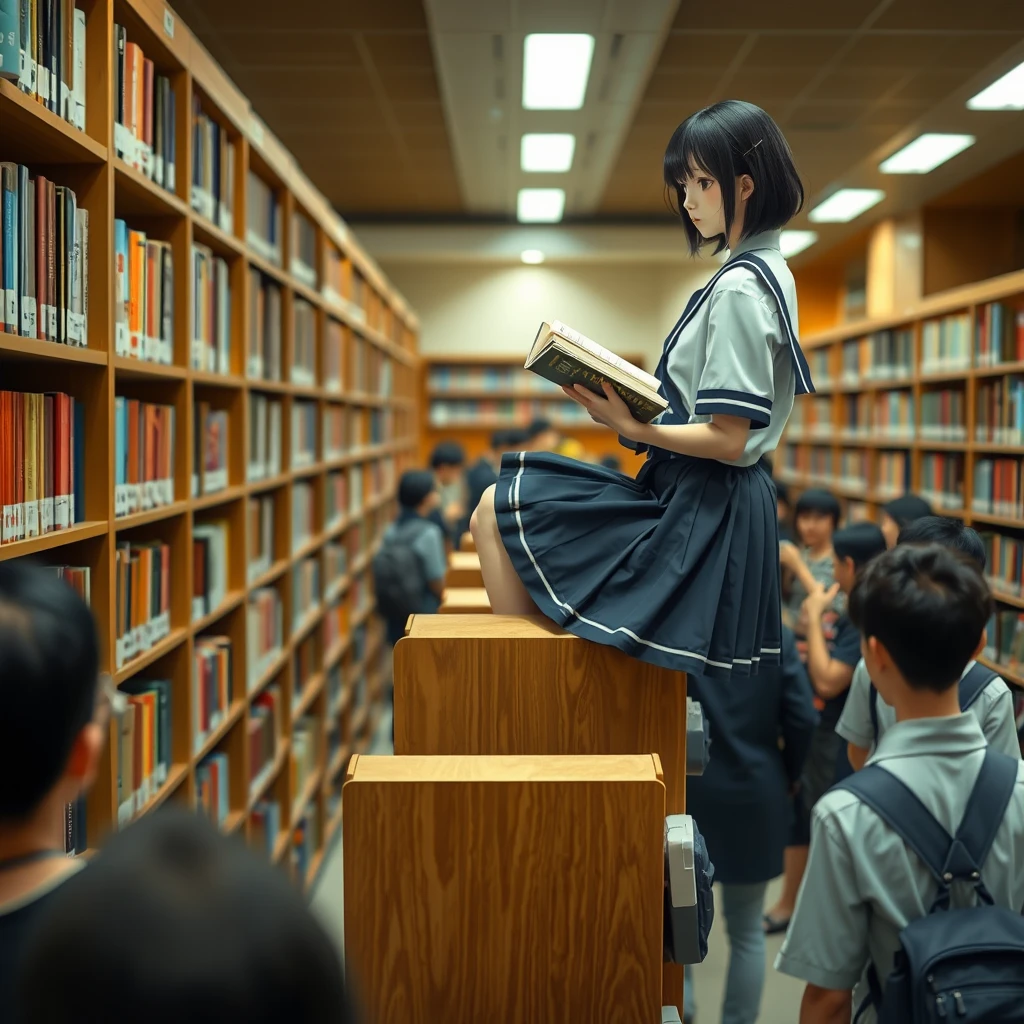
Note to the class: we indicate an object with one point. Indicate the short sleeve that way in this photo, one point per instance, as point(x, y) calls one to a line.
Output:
point(827, 940)
point(846, 642)
point(854, 723)
point(999, 725)
point(738, 378)
point(429, 545)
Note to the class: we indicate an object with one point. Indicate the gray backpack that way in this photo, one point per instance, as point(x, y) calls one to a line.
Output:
point(398, 577)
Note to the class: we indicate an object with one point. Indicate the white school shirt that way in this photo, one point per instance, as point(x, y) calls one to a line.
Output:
point(734, 357)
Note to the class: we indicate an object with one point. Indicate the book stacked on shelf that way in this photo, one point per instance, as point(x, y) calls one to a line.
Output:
point(261, 534)
point(44, 258)
point(51, 50)
point(304, 417)
point(303, 369)
point(78, 577)
point(144, 745)
point(210, 454)
point(143, 455)
point(142, 575)
point(999, 410)
point(265, 825)
point(335, 623)
point(884, 355)
point(998, 335)
point(337, 277)
point(820, 366)
point(942, 479)
point(264, 630)
point(335, 565)
point(264, 731)
point(213, 169)
point(263, 356)
point(143, 296)
point(213, 685)
point(303, 513)
point(334, 356)
point(211, 311)
point(894, 415)
point(856, 417)
point(1004, 562)
point(335, 499)
point(212, 789)
point(1005, 639)
point(997, 487)
point(371, 372)
point(306, 663)
point(303, 250)
point(304, 753)
point(334, 441)
point(42, 457)
point(263, 220)
point(853, 469)
point(305, 589)
point(144, 109)
point(264, 458)
point(946, 344)
point(209, 566)
point(892, 474)
point(355, 502)
point(453, 379)
point(943, 415)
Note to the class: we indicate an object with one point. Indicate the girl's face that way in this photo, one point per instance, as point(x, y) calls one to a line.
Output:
point(890, 529)
point(703, 203)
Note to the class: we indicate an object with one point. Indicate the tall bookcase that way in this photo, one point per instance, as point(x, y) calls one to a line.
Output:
point(929, 401)
point(330, 667)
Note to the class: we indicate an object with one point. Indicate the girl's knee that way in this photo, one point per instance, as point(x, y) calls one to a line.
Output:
point(484, 512)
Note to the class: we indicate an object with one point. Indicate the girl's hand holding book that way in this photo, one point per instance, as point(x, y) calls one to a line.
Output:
point(610, 410)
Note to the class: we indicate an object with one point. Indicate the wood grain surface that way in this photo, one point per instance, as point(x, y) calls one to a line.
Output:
point(508, 890)
point(465, 601)
point(464, 570)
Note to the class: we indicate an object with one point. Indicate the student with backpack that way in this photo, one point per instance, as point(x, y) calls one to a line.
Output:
point(409, 568)
point(982, 692)
point(913, 891)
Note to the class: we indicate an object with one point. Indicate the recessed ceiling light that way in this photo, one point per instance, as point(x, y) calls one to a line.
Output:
point(532, 256)
point(547, 151)
point(845, 205)
point(792, 242)
point(540, 205)
point(925, 153)
point(556, 67)
point(1006, 93)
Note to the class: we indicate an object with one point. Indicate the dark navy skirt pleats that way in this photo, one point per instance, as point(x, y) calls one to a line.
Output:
point(679, 567)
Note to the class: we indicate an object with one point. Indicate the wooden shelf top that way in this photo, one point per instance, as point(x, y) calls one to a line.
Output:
point(485, 627)
point(153, 515)
point(264, 782)
point(146, 658)
point(232, 717)
point(143, 369)
point(13, 346)
point(33, 134)
point(57, 538)
point(231, 601)
point(209, 234)
point(136, 194)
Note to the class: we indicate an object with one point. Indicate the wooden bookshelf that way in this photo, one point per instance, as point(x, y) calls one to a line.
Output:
point(341, 690)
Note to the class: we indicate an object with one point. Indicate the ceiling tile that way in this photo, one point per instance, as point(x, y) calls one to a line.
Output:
point(946, 15)
point(401, 86)
point(752, 15)
point(689, 87)
point(931, 85)
point(794, 50)
point(857, 85)
point(763, 84)
point(689, 51)
point(407, 50)
point(291, 46)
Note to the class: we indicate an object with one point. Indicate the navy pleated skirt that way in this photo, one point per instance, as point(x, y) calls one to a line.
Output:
point(679, 567)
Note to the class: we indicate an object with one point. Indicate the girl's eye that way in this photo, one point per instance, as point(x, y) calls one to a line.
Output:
point(705, 184)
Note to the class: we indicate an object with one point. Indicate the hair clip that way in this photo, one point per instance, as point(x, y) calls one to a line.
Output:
point(753, 147)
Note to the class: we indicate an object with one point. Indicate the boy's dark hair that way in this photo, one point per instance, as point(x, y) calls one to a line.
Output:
point(817, 500)
point(414, 486)
point(447, 453)
point(516, 437)
point(174, 922)
point(950, 533)
point(611, 462)
point(907, 508)
point(538, 427)
point(499, 440)
point(859, 541)
point(49, 667)
point(928, 606)
point(729, 139)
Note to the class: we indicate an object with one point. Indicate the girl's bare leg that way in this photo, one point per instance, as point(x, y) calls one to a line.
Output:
point(505, 590)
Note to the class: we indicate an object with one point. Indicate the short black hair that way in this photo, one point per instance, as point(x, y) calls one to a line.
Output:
point(499, 440)
point(49, 668)
point(907, 508)
point(950, 533)
point(729, 139)
point(516, 438)
point(859, 541)
point(538, 427)
point(818, 500)
point(414, 486)
point(612, 462)
point(928, 605)
point(174, 922)
point(448, 453)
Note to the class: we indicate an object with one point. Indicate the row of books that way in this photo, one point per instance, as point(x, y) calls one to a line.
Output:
point(143, 745)
point(44, 258)
point(336, 563)
point(45, 41)
point(144, 448)
point(304, 753)
point(213, 169)
point(1005, 638)
point(265, 825)
point(999, 410)
point(210, 566)
point(812, 417)
point(304, 434)
point(303, 370)
point(336, 498)
point(372, 369)
point(213, 686)
point(1004, 561)
point(455, 378)
point(144, 113)
point(946, 344)
point(335, 436)
point(509, 413)
point(142, 597)
point(263, 219)
point(210, 449)
point(343, 284)
point(942, 480)
point(264, 731)
point(264, 630)
point(211, 311)
point(943, 415)
point(261, 534)
point(305, 589)
point(78, 577)
point(263, 359)
point(305, 842)
point(819, 362)
point(143, 296)
point(892, 474)
point(998, 334)
point(264, 455)
point(303, 252)
point(303, 513)
point(306, 662)
point(213, 799)
point(853, 469)
point(334, 356)
point(884, 355)
point(997, 487)
point(42, 458)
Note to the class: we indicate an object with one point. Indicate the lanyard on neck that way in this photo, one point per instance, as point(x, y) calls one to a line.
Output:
point(28, 858)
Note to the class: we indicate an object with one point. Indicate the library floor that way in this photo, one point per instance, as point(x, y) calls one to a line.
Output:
point(781, 1002)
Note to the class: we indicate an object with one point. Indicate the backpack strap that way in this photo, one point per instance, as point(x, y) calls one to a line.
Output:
point(972, 684)
point(873, 710)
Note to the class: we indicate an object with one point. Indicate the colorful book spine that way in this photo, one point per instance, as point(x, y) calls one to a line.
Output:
point(942, 479)
point(212, 685)
point(144, 452)
point(264, 631)
point(211, 312)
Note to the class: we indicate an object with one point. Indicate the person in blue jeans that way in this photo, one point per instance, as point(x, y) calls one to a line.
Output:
point(742, 806)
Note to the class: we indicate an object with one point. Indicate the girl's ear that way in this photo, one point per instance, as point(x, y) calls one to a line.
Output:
point(746, 187)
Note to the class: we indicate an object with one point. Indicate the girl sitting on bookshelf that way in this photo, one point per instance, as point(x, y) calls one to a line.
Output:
point(679, 567)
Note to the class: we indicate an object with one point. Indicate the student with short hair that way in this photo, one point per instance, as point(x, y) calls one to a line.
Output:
point(174, 922)
point(53, 723)
point(815, 519)
point(542, 436)
point(900, 512)
point(992, 705)
point(921, 611)
point(448, 461)
point(483, 473)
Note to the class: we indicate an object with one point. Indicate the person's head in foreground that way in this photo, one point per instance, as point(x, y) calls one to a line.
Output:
point(852, 548)
point(815, 518)
point(543, 436)
point(447, 461)
point(921, 610)
point(53, 719)
point(899, 512)
point(173, 923)
point(950, 533)
point(417, 491)
point(732, 174)
point(782, 505)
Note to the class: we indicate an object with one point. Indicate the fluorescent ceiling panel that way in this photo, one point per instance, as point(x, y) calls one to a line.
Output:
point(845, 205)
point(792, 242)
point(1006, 93)
point(547, 151)
point(540, 205)
point(926, 153)
point(556, 67)
point(532, 256)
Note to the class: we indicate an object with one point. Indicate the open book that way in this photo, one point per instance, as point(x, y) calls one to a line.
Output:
point(565, 356)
